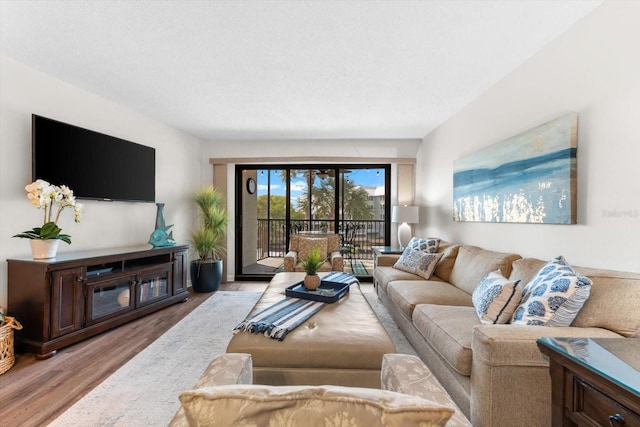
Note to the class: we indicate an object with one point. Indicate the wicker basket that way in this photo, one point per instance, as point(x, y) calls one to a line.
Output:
point(7, 357)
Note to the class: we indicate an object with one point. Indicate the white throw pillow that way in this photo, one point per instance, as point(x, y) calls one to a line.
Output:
point(554, 296)
point(496, 298)
point(418, 262)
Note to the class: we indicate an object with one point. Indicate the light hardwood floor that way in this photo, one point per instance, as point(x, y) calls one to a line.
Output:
point(35, 392)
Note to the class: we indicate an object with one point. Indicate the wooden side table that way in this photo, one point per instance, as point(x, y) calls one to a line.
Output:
point(594, 381)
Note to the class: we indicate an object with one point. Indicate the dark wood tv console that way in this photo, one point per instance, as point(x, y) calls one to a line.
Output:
point(66, 299)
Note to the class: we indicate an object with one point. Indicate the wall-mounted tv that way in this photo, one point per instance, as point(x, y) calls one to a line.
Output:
point(94, 165)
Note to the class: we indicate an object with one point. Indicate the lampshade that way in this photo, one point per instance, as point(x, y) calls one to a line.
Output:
point(401, 214)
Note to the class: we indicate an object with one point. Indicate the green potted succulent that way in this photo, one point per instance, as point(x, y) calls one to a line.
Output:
point(208, 239)
point(311, 265)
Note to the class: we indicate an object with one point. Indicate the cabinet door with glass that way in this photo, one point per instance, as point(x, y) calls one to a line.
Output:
point(153, 284)
point(108, 297)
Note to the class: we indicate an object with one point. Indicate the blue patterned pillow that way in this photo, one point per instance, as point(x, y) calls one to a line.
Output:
point(425, 245)
point(496, 298)
point(554, 296)
point(418, 262)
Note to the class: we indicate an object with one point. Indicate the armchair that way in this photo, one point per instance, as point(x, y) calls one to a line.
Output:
point(300, 246)
point(409, 395)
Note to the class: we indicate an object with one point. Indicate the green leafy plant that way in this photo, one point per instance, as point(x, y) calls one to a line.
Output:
point(313, 262)
point(210, 237)
point(48, 231)
point(50, 198)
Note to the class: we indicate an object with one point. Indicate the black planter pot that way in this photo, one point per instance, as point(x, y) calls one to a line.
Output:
point(206, 276)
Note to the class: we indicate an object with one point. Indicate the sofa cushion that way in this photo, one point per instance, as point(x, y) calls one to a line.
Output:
point(448, 329)
point(553, 297)
point(307, 244)
point(613, 302)
point(407, 294)
point(449, 254)
point(496, 298)
point(473, 263)
point(418, 262)
point(309, 405)
point(385, 275)
point(525, 269)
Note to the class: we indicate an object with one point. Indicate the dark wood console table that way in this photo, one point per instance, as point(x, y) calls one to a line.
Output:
point(63, 300)
point(594, 382)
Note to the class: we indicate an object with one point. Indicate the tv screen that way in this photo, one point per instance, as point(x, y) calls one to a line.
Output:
point(92, 164)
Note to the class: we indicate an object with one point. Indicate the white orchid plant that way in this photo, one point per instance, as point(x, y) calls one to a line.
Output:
point(51, 198)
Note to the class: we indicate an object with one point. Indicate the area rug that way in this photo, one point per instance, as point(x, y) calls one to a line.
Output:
point(396, 335)
point(144, 392)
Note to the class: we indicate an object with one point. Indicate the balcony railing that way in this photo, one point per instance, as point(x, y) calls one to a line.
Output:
point(356, 236)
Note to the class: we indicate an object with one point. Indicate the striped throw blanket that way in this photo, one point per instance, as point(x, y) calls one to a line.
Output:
point(284, 316)
point(340, 277)
point(279, 319)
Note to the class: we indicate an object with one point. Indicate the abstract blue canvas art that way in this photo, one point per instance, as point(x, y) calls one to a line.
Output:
point(528, 178)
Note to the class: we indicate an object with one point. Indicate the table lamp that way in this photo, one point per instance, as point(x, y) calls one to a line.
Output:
point(404, 215)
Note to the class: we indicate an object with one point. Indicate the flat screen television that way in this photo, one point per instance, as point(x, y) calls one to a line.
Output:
point(94, 165)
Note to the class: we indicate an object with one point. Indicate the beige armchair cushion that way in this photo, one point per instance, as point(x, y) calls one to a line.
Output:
point(410, 395)
point(226, 368)
point(298, 243)
point(407, 374)
point(309, 405)
point(306, 245)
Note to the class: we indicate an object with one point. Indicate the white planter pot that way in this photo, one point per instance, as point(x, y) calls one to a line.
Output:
point(43, 249)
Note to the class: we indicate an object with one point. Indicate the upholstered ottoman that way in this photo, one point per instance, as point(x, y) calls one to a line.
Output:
point(342, 344)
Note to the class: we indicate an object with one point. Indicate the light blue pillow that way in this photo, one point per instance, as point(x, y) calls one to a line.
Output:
point(554, 296)
point(496, 298)
point(425, 245)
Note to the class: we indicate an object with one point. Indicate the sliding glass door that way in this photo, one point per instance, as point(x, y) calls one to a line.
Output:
point(351, 200)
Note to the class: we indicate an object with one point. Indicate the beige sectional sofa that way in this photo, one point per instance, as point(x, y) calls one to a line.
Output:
point(495, 372)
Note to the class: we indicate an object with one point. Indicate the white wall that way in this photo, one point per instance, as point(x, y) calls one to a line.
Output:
point(594, 69)
point(255, 151)
point(24, 91)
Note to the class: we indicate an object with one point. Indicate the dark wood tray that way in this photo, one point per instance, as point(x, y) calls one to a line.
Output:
point(328, 292)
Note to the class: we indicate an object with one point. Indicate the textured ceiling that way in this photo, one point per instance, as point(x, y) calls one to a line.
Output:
point(285, 69)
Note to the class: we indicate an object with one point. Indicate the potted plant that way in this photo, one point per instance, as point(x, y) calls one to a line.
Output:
point(311, 265)
point(49, 198)
point(208, 240)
